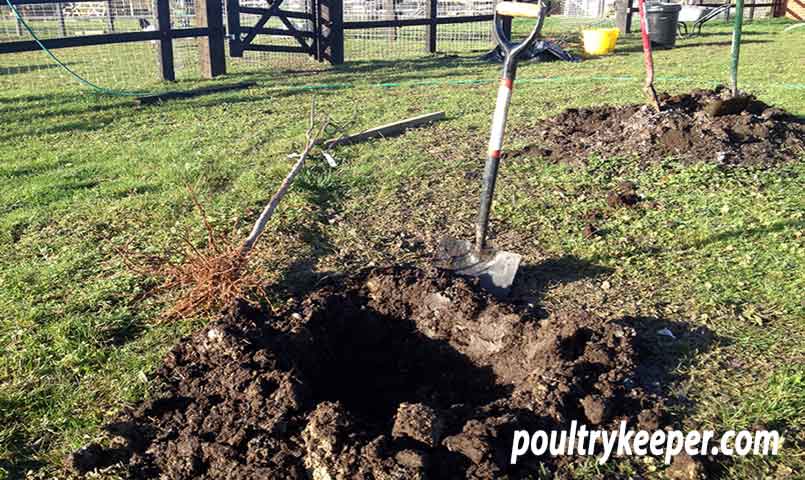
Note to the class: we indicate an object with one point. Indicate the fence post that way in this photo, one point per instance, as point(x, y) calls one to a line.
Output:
point(17, 22)
point(390, 10)
point(317, 54)
point(233, 28)
point(60, 16)
point(623, 15)
point(110, 16)
point(165, 43)
point(778, 9)
point(332, 30)
point(212, 57)
point(433, 13)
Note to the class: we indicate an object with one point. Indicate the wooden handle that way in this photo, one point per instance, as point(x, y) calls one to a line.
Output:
point(519, 9)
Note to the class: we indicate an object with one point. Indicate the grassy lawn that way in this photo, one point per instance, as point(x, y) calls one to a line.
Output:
point(719, 251)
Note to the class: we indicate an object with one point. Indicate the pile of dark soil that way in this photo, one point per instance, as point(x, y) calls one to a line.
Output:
point(703, 126)
point(395, 373)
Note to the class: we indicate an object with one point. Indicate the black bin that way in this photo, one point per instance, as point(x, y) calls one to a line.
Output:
point(662, 19)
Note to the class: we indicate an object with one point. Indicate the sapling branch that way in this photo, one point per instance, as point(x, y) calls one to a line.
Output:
point(315, 132)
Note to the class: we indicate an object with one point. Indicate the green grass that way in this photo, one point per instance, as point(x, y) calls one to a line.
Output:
point(81, 175)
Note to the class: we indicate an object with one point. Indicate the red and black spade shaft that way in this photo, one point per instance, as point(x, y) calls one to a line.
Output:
point(511, 52)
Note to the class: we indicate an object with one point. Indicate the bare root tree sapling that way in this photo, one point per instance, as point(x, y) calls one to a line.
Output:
point(314, 133)
point(217, 275)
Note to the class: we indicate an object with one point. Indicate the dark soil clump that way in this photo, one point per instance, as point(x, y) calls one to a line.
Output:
point(625, 195)
point(395, 373)
point(703, 126)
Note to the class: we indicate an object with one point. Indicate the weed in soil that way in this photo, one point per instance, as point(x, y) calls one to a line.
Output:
point(392, 373)
point(703, 126)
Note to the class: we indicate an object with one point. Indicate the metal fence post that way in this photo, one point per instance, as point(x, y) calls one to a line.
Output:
point(736, 45)
point(317, 54)
point(433, 13)
point(165, 43)
point(212, 56)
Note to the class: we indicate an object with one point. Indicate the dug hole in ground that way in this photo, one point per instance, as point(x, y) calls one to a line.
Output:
point(400, 372)
point(392, 373)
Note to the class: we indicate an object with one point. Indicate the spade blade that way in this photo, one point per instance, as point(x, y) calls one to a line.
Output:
point(495, 269)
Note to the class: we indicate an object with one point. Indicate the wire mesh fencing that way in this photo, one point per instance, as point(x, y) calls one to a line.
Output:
point(135, 65)
point(130, 65)
point(411, 41)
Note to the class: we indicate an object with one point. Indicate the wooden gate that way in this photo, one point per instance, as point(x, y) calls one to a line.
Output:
point(279, 19)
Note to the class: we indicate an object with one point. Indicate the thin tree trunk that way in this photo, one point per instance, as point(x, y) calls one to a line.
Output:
point(313, 135)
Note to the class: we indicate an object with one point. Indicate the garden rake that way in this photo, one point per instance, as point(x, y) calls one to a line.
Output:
point(495, 269)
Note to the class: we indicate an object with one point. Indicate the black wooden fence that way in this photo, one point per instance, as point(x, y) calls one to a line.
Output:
point(324, 43)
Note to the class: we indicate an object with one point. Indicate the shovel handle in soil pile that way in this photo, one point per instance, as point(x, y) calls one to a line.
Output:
point(495, 269)
point(648, 58)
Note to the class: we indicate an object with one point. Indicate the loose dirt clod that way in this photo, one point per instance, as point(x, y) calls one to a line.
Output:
point(685, 467)
point(418, 422)
point(625, 195)
point(703, 126)
point(395, 373)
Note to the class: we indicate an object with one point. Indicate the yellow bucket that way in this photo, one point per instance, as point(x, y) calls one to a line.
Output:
point(600, 41)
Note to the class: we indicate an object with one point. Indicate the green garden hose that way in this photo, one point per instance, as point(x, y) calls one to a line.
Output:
point(558, 78)
point(96, 88)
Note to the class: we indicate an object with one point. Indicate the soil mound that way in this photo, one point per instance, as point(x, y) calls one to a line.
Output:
point(702, 126)
point(395, 373)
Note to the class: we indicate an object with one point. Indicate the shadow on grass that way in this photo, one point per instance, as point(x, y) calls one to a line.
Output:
point(27, 171)
point(749, 232)
point(17, 69)
point(725, 43)
point(23, 454)
point(659, 357)
point(11, 104)
point(89, 125)
point(533, 281)
point(325, 189)
point(715, 238)
point(33, 116)
point(364, 71)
